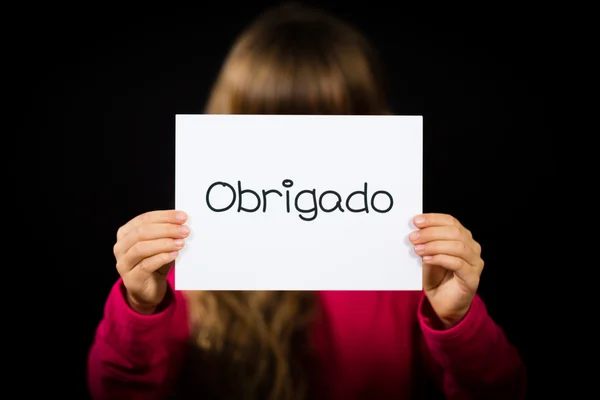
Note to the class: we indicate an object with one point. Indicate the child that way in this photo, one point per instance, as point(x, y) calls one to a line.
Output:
point(154, 342)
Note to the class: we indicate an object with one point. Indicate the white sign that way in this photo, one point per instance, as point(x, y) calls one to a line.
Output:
point(279, 202)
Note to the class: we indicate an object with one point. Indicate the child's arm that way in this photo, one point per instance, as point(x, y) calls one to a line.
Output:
point(137, 356)
point(473, 360)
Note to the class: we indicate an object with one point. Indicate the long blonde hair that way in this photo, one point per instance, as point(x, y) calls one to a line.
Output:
point(291, 60)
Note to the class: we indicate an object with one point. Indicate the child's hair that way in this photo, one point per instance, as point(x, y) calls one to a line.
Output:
point(299, 60)
point(291, 60)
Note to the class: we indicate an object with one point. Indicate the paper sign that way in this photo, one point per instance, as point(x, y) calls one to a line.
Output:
point(279, 202)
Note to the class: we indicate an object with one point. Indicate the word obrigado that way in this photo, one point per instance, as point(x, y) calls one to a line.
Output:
point(265, 199)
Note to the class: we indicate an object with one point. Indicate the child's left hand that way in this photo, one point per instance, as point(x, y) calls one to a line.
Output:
point(452, 265)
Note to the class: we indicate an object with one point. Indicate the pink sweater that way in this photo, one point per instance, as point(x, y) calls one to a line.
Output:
point(374, 345)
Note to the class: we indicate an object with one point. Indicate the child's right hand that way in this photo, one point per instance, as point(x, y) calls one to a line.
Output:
point(145, 250)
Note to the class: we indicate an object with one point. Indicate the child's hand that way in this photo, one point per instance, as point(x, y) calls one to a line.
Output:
point(145, 250)
point(452, 265)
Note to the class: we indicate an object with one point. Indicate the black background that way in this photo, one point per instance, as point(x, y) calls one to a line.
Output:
point(107, 84)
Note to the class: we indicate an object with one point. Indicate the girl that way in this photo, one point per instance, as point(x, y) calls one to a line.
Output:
point(156, 343)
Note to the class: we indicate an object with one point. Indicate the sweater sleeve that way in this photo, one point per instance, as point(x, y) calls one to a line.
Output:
point(474, 359)
point(136, 356)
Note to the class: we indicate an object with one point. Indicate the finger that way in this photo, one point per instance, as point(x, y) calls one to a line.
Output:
point(159, 263)
point(453, 248)
point(152, 217)
point(146, 249)
point(440, 233)
point(150, 232)
point(427, 220)
point(458, 266)
point(451, 263)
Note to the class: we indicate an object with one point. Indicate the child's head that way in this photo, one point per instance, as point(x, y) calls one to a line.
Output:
point(297, 60)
